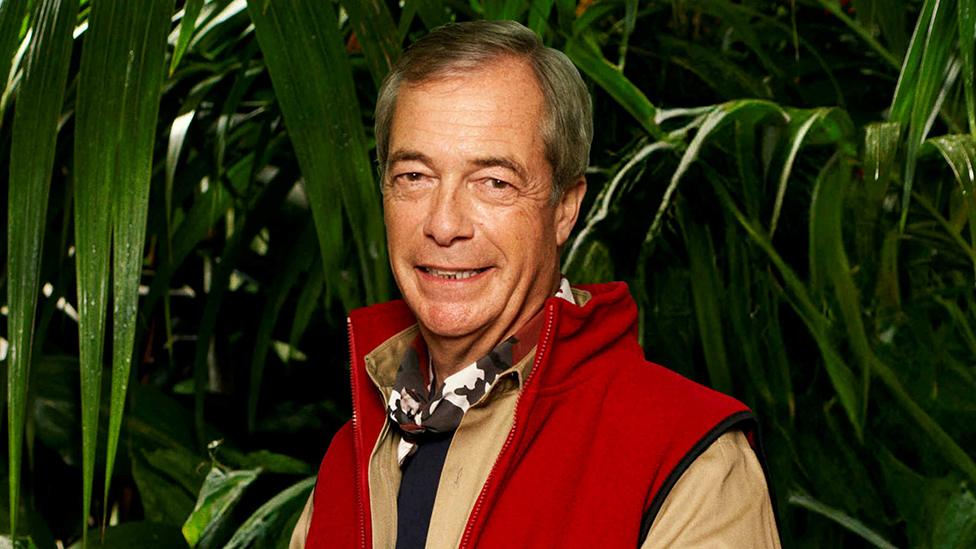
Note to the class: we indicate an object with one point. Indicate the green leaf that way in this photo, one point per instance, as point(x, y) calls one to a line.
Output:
point(118, 98)
point(967, 45)
point(141, 36)
point(839, 373)
point(609, 195)
point(881, 164)
point(592, 63)
point(749, 322)
point(12, 15)
point(313, 82)
point(709, 299)
point(801, 124)
point(840, 517)
point(750, 109)
point(187, 23)
point(221, 491)
point(959, 152)
point(377, 35)
point(922, 80)
point(35, 131)
point(828, 260)
point(273, 520)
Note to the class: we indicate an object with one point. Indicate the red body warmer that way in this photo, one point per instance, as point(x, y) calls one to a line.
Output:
point(600, 435)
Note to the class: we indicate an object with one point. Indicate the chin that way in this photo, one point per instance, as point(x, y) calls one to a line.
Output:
point(448, 320)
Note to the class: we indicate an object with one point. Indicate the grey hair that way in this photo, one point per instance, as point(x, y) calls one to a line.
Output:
point(567, 123)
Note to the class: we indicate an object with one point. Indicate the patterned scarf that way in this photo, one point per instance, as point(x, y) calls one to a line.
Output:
point(421, 410)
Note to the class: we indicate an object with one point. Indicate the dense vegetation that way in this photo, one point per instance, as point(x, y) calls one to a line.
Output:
point(788, 186)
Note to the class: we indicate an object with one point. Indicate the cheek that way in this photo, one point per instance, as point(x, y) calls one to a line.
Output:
point(397, 219)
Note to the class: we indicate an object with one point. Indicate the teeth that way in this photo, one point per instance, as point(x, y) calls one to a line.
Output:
point(452, 275)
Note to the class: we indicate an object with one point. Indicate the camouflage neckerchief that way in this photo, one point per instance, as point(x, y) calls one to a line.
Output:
point(420, 411)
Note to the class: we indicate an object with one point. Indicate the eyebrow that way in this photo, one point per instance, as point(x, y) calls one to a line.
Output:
point(503, 162)
point(407, 155)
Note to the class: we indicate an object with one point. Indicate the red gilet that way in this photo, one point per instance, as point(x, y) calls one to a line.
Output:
point(600, 435)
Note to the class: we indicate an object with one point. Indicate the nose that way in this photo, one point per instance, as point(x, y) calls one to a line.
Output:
point(448, 219)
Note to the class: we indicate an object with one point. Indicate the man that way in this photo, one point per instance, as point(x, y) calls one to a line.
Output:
point(496, 406)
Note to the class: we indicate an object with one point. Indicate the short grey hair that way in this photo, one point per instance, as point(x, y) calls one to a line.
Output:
point(567, 122)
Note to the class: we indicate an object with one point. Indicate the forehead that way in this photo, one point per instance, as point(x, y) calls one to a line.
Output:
point(498, 105)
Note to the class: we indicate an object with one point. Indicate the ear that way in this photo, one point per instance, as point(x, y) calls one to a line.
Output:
point(568, 208)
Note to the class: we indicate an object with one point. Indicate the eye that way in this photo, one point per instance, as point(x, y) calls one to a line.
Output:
point(496, 190)
point(409, 177)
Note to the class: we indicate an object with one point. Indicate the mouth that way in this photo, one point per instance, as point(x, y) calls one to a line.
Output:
point(451, 274)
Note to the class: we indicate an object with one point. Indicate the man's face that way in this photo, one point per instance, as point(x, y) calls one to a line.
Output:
point(473, 235)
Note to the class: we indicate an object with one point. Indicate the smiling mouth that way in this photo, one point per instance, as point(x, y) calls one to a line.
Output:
point(447, 274)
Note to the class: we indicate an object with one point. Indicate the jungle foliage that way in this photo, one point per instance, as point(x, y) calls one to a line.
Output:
point(190, 208)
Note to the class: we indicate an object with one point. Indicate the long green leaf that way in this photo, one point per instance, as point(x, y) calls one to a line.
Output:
point(800, 127)
point(745, 318)
point(828, 260)
point(118, 95)
point(609, 195)
point(145, 42)
point(95, 146)
point(313, 82)
point(377, 35)
point(839, 373)
point(881, 164)
point(840, 517)
point(707, 295)
point(35, 132)
point(959, 152)
point(12, 13)
point(592, 63)
point(719, 116)
point(922, 80)
point(967, 43)
point(187, 24)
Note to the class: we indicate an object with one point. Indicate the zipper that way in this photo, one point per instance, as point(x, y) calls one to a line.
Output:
point(353, 383)
point(543, 348)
